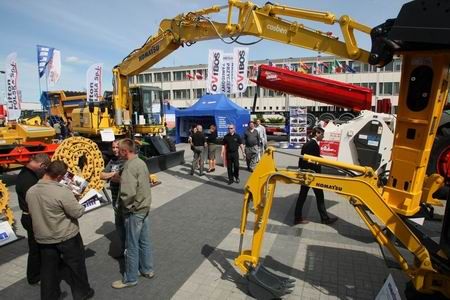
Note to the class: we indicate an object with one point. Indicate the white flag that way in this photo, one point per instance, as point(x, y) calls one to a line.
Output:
point(12, 92)
point(54, 69)
point(227, 74)
point(215, 59)
point(94, 82)
point(240, 82)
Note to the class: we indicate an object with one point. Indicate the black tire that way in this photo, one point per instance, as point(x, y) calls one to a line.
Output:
point(345, 117)
point(310, 120)
point(327, 117)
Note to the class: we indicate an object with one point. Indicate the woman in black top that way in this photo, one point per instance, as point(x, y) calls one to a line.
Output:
point(212, 146)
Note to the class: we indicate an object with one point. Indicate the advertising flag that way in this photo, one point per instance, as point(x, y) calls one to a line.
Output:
point(54, 68)
point(337, 67)
point(44, 56)
point(12, 92)
point(240, 66)
point(215, 65)
point(226, 86)
point(94, 82)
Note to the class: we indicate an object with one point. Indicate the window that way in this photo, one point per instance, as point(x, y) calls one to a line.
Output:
point(357, 67)
point(181, 94)
point(269, 93)
point(279, 94)
point(157, 77)
point(148, 77)
point(181, 75)
point(386, 88)
point(277, 108)
point(166, 76)
point(397, 65)
point(264, 108)
point(389, 67)
point(199, 74)
point(249, 92)
point(396, 88)
point(141, 78)
point(373, 87)
point(199, 93)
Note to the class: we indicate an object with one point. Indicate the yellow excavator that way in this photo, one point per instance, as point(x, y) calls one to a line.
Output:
point(420, 36)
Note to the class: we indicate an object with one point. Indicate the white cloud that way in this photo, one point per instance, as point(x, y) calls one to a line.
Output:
point(77, 60)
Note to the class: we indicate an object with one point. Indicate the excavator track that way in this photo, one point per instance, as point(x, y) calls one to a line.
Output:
point(83, 158)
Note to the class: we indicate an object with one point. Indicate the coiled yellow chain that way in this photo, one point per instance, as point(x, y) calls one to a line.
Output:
point(5, 210)
point(84, 159)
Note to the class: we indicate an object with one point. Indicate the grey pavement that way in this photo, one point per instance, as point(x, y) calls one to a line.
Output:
point(195, 234)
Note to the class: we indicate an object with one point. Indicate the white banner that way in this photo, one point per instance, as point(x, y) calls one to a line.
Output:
point(226, 85)
point(240, 57)
point(54, 68)
point(94, 82)
point(215, 60)
point(12, 92)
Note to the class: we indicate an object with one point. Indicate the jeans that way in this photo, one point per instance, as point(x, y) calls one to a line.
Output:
point(138, 247)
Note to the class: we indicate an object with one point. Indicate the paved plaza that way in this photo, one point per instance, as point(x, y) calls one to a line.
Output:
point(195, 234)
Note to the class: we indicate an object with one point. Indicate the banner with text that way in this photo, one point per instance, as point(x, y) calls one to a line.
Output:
point(44, 56)
point(215, 60)
point(94, 83)
point(54, 68)
point(12, 92)
point(240, 64)
point(226, 85)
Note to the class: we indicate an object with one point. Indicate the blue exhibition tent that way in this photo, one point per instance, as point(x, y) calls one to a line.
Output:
point(212, 109)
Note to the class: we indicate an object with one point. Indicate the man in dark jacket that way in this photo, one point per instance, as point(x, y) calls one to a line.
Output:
point(312, 148)
point(29, 176)
point(198, 141)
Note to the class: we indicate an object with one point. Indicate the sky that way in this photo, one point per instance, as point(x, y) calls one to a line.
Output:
point(104, 31)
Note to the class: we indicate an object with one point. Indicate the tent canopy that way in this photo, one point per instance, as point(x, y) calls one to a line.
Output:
point(212, 109)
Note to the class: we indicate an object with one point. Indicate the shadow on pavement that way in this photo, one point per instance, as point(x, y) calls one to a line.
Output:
point(324, 270)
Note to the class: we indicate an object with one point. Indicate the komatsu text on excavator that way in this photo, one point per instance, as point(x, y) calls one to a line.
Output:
point(420, 36)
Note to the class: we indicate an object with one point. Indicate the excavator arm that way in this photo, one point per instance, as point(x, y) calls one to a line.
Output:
point(266, 22)
point(428, 271)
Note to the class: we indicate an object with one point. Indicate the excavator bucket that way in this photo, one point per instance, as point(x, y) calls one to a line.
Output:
point(264, 284)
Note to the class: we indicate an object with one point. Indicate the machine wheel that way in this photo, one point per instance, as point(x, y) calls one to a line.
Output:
point(345, 117)
point(327, 117)
point(310, 120)
point(440, 157)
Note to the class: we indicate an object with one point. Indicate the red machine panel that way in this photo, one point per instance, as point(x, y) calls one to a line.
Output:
point(315, 88)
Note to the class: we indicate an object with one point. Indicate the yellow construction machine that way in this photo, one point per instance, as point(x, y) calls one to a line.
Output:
point(419, 35)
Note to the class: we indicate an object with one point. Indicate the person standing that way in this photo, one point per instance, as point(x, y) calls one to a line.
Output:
point(312, 148)
point(135, 198)
point(57, 127)
point(231, 144)
point(252, 141)
point(263, 135)
point(212, 146)
point(112, 174)
point(198, 141)
point(55, 212)
point(29, 176)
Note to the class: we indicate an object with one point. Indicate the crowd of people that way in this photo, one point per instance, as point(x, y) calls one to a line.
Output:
point(252, 145)
point(50, 211)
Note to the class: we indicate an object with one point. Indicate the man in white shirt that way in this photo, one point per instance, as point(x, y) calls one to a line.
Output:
point(263, 136)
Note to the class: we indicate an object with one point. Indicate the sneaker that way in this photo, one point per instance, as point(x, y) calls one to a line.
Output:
point(148, 275)
point(119, 284)
point(237, 180)
point(230, 181)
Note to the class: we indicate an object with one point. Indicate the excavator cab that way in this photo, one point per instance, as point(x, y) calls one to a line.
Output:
point(147, 105)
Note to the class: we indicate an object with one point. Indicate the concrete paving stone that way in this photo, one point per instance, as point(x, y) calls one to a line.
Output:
point(183, 295)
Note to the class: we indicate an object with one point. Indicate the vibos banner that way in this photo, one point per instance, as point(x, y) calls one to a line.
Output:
point(214, 81)
point(240, 65)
